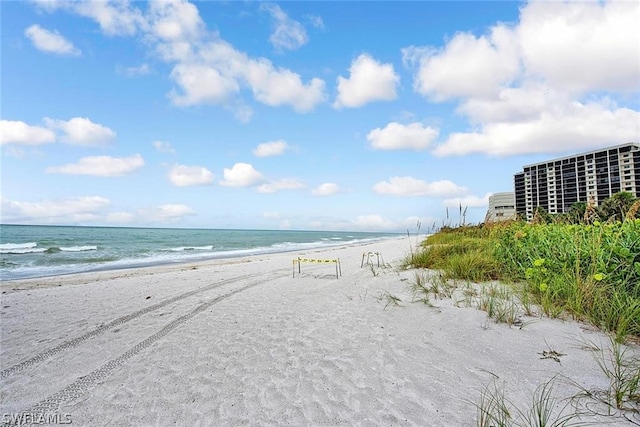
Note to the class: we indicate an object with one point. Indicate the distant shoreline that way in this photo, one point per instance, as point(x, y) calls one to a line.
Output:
point(45, 251)
point(150, 268)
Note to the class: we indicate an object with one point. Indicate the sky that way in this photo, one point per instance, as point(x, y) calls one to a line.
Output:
point(304, 115)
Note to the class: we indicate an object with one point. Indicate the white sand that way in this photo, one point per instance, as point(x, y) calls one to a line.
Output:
point(242, 342)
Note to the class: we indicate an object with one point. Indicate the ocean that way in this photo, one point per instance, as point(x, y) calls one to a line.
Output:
point(31, 251)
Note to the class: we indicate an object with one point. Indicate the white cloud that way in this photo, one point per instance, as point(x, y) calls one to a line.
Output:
point(513, 104)
point(396, 136)
point(466, 66)
point(60, 211)
point(185, 176)
point(574, 126)
point(201, 84)
point(18, 132)
point(104, 166)
point(83, 210)
point(176, 21)
point(368, 81)
point(326, 189)
point(550, 83)
point(407, 186)
point(272, 148)
point(287, 34)
point(241, 175)
point(277, 87)
point(469, 201)
point(82, 131)
point(163, 146)
point(282, 184)
point(116, 18)
point(222, 70)
point(50, 41)
point(213, 71)
point(206, 69)
point(582, 46)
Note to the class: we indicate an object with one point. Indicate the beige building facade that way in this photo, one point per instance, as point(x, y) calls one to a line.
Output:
point(502, 207)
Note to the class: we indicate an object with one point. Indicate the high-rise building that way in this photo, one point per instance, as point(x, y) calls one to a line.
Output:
point(591, 177)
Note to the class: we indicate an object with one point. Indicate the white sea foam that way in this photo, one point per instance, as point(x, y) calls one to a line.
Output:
point(20, 248)
point(6, 246)
point(32, 248)
point(79, 248)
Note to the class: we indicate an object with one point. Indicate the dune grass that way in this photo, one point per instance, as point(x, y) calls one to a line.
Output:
point(588, 271)
point(495, 409)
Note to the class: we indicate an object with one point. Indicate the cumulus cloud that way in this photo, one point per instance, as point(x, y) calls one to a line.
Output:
point(185, 176)
point(574, 126)
point(77, 131)
point(116, 18)
point(466, 66)
point(468, 201)
point(81, 131)
point(218, 71)
point(205, 68)
point(396, 136)
point(241, 175)
point(582, 46)
point(272, 148)
point(287, 33)
point(407, 186)
point(524, 88)
point(326, 189)
point(70, 210)
point(276, 87)
point(282, 184)
point(209, 70)
point(201, 84)
point(176, 21)
point(103, 166)
point(18, 132)
point(369, 81)
point(50, 41)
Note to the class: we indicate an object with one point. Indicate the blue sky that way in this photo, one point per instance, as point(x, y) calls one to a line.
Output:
point(325, 115)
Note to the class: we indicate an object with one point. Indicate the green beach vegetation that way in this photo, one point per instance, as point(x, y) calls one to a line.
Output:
point(584, 264)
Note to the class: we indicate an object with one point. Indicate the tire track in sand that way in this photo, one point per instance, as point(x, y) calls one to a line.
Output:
point(82, 384)
point(119, 321)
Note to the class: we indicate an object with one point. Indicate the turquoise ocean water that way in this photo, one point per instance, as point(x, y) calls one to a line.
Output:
point(28, 251)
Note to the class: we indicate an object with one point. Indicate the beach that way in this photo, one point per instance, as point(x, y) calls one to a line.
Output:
point(255, 341)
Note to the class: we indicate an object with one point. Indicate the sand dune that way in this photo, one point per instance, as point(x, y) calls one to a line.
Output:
point(243, 342)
